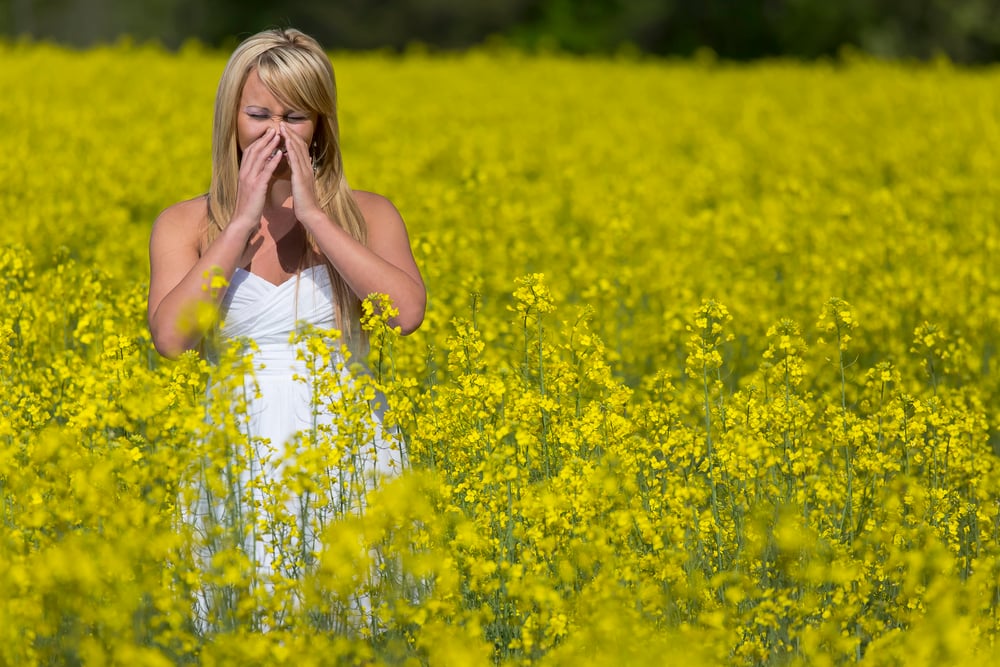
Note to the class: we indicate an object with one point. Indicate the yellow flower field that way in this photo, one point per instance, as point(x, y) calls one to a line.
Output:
point(708, 376)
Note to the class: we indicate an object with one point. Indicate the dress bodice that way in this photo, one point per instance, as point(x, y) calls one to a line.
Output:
point(256, 308)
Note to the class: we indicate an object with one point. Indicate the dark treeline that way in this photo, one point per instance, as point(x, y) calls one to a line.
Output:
point(966, 31)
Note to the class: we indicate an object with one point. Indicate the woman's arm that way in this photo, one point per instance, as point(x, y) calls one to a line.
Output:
point(385, 265)
point(179, 276)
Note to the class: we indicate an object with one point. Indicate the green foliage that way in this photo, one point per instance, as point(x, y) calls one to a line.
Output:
point(962, 30)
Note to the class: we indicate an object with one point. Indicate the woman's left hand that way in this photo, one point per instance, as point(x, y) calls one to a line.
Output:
point(304, 202)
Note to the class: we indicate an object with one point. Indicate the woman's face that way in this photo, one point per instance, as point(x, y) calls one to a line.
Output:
point(259, 109)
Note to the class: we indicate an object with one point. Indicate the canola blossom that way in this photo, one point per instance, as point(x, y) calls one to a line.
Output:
point(708, 373)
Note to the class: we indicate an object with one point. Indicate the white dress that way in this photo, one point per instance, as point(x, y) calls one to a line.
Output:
point(310, 449)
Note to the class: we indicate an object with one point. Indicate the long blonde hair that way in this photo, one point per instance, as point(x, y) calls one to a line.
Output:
point(294, 67)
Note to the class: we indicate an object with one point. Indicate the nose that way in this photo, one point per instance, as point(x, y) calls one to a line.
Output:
point(274, 123)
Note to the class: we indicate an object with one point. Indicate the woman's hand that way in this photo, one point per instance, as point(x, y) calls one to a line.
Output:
point(260, 159)
point(304, 203)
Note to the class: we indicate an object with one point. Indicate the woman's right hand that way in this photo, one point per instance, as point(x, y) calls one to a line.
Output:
point(258, 164)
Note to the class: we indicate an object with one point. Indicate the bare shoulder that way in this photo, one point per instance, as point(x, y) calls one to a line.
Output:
point(378, 211)
point(387, 235)
point(182, 223)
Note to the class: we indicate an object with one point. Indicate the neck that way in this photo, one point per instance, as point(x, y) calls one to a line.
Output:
point(279, 191)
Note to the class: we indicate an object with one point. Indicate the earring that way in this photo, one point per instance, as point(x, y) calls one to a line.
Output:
point(313, 149)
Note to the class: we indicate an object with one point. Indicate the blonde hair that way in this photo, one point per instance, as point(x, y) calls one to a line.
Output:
point(294, 67)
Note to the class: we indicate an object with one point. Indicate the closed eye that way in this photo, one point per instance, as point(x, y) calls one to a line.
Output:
point(291, 118)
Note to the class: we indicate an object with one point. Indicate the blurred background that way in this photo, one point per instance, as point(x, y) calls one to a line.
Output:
point(966, 31)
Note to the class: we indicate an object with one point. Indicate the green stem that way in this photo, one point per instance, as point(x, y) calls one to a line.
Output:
point(848, 462)
point(711, 467)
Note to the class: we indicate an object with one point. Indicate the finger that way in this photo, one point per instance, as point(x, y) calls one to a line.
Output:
point(270, 136)
point(293, 140)
point(271, 162)
point(261, 149)
point(297, 152)
point(289, 135)
point(269, 148)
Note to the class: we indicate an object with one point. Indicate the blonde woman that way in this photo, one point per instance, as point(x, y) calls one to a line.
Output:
point(279, 203)
point(294, 243)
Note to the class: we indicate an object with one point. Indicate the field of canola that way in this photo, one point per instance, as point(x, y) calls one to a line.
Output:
point(709, 373)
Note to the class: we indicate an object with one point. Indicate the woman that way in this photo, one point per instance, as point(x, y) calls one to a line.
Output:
point(298, 249)
point(279, 203)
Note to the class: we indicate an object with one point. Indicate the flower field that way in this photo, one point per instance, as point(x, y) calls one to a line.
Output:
point(709, 373)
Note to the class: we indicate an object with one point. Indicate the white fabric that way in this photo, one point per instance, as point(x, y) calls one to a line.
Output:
point(283, 419)
point(254, 308)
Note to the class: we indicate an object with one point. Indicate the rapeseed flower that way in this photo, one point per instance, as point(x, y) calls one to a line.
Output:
point(616, 421)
